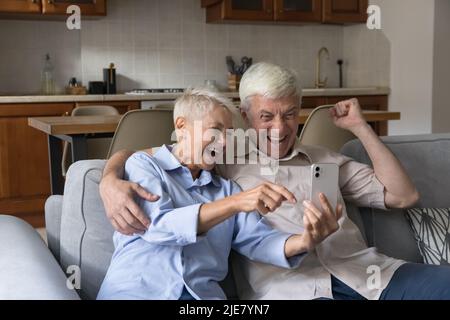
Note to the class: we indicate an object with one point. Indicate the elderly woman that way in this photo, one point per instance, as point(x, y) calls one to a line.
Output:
point(198, 218)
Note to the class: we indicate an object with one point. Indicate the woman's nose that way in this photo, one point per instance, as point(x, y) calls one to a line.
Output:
point(223, 139)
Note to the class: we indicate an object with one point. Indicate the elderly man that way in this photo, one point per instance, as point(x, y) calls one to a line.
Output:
point(335, 265)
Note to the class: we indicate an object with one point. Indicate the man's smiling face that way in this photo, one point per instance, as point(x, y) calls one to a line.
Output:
point(279, 118)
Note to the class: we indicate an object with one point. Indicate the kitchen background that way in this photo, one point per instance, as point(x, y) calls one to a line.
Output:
point(166, 43)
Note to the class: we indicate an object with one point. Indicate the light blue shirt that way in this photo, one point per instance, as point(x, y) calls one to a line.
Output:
point(170, 255)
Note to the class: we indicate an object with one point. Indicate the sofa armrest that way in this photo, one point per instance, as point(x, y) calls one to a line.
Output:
point(28, 269)
point(53, 212)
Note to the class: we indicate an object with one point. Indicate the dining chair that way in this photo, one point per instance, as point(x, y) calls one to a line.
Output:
point(320, 130)
point(142, 129)
point(96, 148)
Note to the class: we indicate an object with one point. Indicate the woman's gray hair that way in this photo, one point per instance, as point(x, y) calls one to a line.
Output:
point(195, 103)
point(270, 81)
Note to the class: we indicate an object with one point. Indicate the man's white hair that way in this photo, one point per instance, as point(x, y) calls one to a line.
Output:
point(270, 81)
point(195, 103)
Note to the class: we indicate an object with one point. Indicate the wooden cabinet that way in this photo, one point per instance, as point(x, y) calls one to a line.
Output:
point(238, 10)
point(344, 11)
point(290, 11)
point(88, 7)
point(20, 6)
point(298, 10)
point(52, 7)
point(24, 160)
point(24, 172)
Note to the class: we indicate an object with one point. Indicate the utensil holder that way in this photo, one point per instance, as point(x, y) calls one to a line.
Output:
point(234, 81)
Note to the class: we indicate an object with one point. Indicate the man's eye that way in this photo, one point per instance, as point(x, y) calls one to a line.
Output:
point(289, 115)
point(266, 117)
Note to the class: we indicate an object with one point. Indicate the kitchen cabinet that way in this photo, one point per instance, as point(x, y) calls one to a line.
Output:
point(24, 174)
point(298, 10)
point(239, 10)
point(40, 8)
point(344, 11)
point(288, 11)
point(88, 7)
point(20, 6)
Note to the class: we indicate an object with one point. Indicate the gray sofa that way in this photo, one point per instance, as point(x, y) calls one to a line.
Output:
point(79, 233)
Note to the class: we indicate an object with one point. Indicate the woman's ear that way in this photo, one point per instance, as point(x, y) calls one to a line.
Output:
point(180, 124)
point(244, 116)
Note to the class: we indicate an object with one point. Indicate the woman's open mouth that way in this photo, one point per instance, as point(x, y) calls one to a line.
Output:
point(214, 150)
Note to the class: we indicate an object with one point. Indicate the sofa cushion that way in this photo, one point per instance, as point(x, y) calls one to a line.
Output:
point(86, 233)
point(53, 211)
point(426, 158)
point(28, 269)
point(432, 232)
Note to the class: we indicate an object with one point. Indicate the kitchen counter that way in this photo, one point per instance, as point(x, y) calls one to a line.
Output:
point(370, 91)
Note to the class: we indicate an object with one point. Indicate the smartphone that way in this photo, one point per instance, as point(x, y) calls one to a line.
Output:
point(324, 179)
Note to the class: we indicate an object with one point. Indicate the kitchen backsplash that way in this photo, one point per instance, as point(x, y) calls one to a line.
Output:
point(23, 47)
point(166, 43)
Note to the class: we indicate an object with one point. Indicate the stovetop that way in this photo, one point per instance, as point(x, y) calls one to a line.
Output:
point(149, 91)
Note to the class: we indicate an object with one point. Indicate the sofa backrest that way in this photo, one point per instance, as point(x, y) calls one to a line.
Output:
point(86, 233)
point(426, 158)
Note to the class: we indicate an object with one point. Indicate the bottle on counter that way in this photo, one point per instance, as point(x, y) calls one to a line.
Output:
point(109, 78)
point(47, 79)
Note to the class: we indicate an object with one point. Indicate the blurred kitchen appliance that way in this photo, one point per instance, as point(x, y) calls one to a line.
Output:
point(96, 87)
point(162, 104)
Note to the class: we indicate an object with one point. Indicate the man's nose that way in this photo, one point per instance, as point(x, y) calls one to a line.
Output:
point(278, 124)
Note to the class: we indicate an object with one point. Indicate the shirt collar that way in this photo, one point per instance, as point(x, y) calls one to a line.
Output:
point(166, 159)
point(169, 162)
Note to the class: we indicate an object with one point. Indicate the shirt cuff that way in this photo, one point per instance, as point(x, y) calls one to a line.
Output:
point(376, 195)
point(279, 257)
point(188, 222)
point(179, 228)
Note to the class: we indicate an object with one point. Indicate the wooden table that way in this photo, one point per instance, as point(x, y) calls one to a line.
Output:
point(76, 129)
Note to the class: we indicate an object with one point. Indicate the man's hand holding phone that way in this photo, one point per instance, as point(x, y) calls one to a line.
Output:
point(319, 223)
